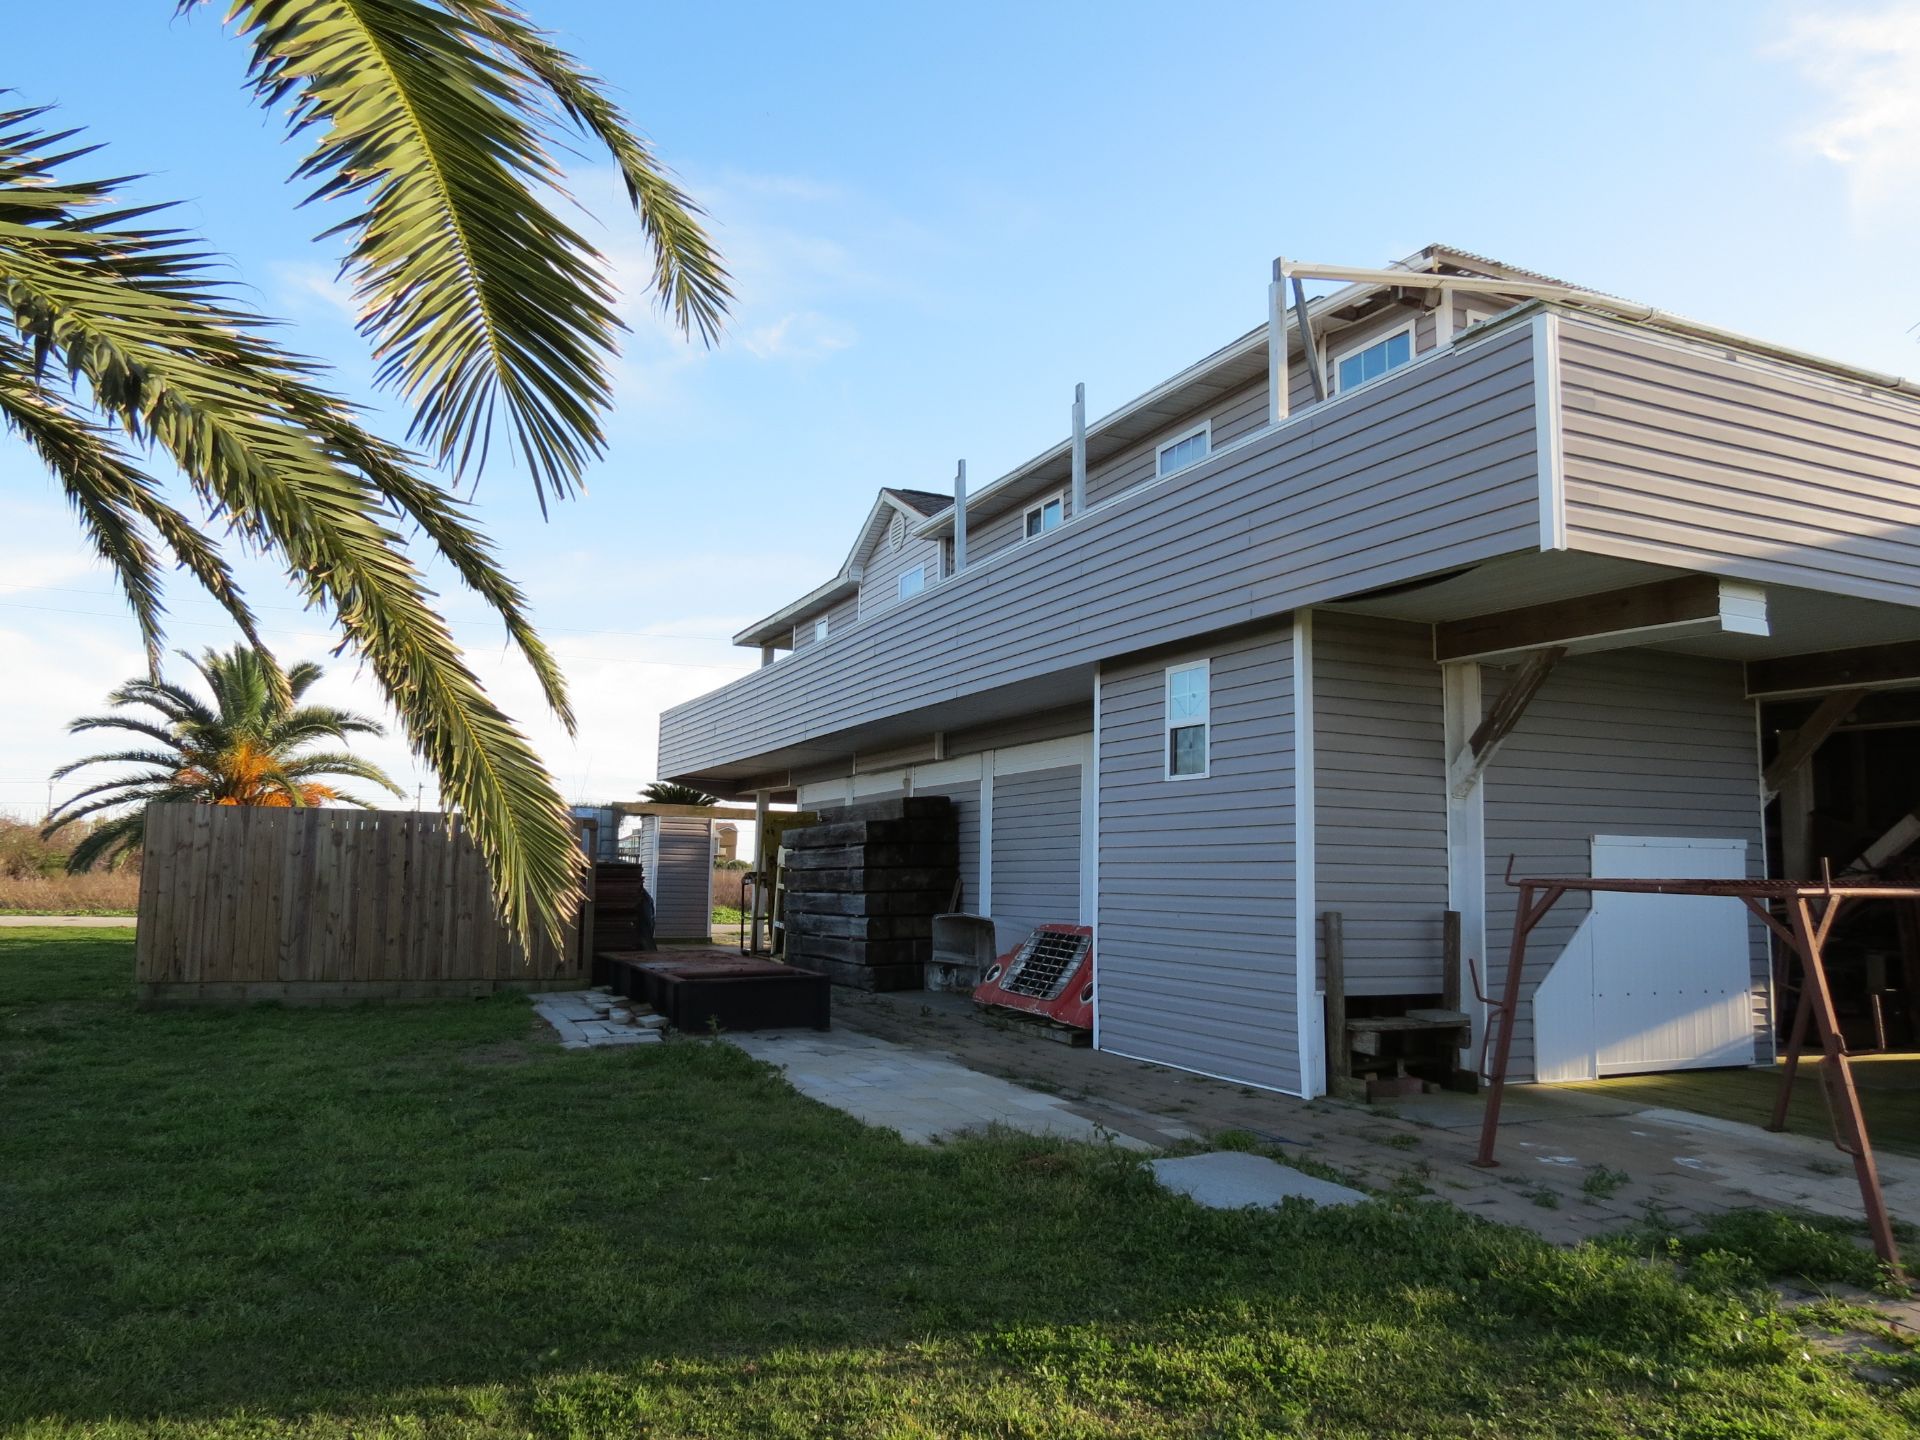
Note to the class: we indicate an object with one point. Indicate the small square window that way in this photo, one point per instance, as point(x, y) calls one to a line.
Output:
point(1184, 450)
point(1046, 516)
point(1351, 371)
point(1188, 720)
point(913, 582)
point(820, 628)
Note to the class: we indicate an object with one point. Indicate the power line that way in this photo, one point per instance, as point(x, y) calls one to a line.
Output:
point(328, 637)
point(303, 610)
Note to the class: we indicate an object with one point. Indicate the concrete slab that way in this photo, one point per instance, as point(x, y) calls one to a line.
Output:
point(1237, 1179)
point(920, 1096)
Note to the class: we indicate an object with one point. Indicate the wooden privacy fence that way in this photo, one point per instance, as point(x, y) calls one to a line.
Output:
point(245, 903)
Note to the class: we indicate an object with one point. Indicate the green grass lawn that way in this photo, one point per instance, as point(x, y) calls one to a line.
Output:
point(1889, 1088)
point(430, 1221)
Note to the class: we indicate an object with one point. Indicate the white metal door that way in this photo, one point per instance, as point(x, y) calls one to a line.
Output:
point(1672, 977)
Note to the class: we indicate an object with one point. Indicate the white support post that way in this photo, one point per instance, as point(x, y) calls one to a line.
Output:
point(1443, 319)
point(986, 833)
point(768, 655)
point(759, 885)
point(960, 518)
point(1277, 343)
point(1079, 500)
point(1466, 838)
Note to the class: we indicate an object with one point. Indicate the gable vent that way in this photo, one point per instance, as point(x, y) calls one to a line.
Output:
point(898, 534)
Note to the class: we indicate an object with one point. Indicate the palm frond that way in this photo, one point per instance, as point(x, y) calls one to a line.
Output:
point(165, 760)
point(122, 722)
point(340, 762)
point(476, 297)
point(174, 360)
point(113, 497)
point(689, 280)
point(109, 842)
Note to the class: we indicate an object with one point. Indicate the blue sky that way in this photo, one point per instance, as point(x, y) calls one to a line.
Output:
point(941, 218)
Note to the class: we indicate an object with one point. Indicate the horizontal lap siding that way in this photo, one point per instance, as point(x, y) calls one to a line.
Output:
point(880, 585)
point(1684, 456)
point(966, 814)
point(1381, 804)
point(1635, 742)
point(1431, 467)
point(683, 882)
point(1036, 847)
point(838, 617)
point(1196, 941)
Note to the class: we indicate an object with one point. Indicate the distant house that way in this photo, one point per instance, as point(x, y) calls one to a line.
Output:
point(1473, 566)
point(726, 843)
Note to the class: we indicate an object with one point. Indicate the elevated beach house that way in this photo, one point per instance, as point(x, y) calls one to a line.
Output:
point(1453, 566)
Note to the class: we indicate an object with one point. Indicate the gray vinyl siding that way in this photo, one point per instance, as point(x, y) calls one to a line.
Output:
point(1231, 418)
point(1432, 467)
point(1380, 799)
point(1195, 960)
point(838, 617)
point(682, 881)
point(1684, 455)
point(1634, 742)
point(880, 584)
point(966, 814)
point(1036, 847)
point(1009, 527)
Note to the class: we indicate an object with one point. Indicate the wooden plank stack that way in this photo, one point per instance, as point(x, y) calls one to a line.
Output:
point(863, 886)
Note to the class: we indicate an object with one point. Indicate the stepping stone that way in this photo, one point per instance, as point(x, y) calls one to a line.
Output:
point(1235, 1180)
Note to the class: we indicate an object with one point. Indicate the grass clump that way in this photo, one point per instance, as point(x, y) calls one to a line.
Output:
point(366, 1222)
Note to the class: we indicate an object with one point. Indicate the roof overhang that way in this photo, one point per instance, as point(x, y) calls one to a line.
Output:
point(779, 625)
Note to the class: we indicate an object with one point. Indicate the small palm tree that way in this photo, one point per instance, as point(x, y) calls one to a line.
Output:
point(250, 747)
point(667, 792)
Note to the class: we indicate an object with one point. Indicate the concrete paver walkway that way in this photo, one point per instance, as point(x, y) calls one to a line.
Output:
point(1237, 1179)
point(1574, 1165)
point(923, 1096)
point(589, 1019)
point(66, 922)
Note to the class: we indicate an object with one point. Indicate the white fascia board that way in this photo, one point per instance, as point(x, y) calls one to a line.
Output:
point(757, 633)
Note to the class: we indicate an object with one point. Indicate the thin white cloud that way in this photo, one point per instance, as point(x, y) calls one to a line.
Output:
point(1865, 63)
point(803, 335)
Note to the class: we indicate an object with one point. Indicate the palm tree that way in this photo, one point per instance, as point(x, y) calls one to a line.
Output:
point(436, 122)
point(250, 747)
point(668, 792)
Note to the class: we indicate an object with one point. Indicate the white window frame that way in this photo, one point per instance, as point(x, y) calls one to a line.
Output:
point(901, 583)
point(821, 626)
point(1334, 357)
point(1167, 726)
point(1204, 428)
point(1039, 508)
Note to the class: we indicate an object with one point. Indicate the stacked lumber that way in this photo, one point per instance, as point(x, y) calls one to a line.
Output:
point(863, 886)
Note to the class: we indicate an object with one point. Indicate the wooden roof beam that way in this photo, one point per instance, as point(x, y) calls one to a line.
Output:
point(1869, 667)
point(1652, 614)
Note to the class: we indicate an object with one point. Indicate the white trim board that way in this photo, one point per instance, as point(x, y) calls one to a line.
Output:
point(1309, 1010)
point(1548, 442)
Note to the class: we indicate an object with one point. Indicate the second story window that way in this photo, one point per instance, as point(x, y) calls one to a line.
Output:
point(1046, 516)
point(1183, 450)
point(913, 581)
point(820, 629)
point(1357, 367)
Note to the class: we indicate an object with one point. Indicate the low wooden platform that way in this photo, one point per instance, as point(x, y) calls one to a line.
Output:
point(708, 990)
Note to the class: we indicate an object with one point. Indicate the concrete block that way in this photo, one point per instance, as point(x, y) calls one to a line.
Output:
point(1236, 1179)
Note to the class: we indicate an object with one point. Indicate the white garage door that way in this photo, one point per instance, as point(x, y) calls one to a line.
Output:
point(1651, 982)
